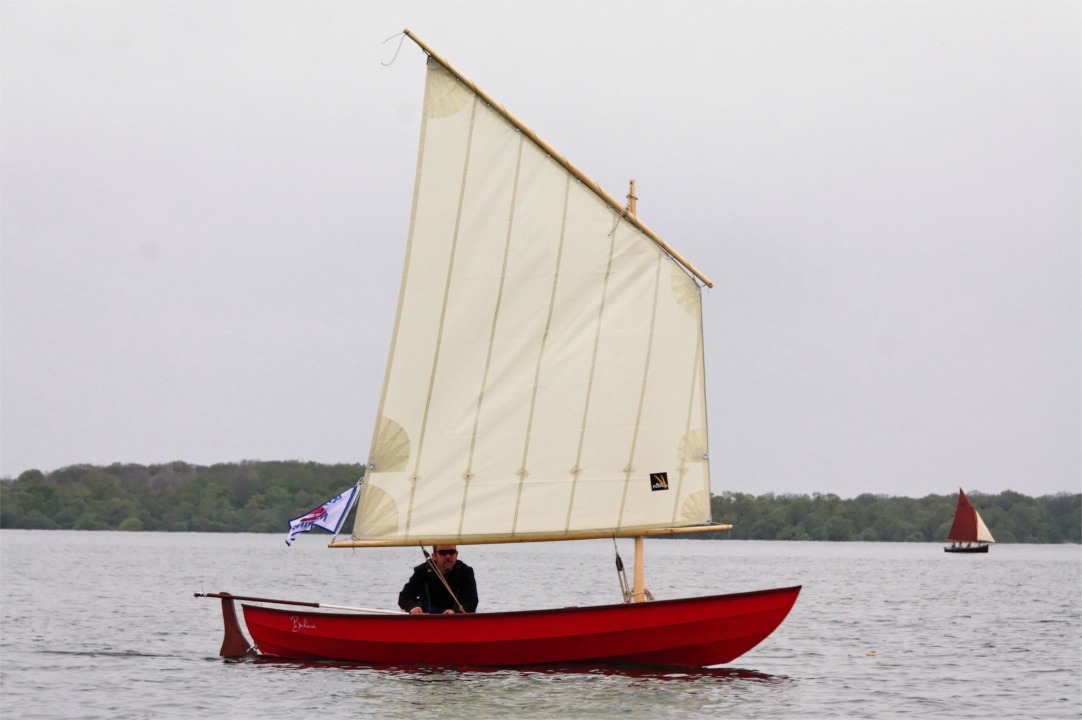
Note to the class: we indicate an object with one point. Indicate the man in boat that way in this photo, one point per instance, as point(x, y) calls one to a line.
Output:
point(427, 592)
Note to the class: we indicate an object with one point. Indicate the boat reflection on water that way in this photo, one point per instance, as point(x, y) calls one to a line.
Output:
point(662, 673)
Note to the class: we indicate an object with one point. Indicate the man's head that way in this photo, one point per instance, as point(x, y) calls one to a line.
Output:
point(446, 556)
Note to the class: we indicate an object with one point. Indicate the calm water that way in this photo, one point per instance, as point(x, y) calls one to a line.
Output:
point(104, 625)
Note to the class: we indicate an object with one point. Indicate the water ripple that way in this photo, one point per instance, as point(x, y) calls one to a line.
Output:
point(104, 626)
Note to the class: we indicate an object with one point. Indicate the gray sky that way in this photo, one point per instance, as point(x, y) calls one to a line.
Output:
point(204, 209)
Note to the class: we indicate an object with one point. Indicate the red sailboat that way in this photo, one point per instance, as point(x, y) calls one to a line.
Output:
point(545, 382)
point(688, 632)
point(968, 534)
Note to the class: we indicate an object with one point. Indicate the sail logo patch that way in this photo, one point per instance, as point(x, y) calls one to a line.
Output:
point(659, 481)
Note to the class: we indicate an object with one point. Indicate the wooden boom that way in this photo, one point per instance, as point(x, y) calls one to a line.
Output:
point(535, 537)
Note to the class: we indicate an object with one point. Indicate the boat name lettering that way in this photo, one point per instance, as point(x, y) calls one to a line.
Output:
point(301, 624)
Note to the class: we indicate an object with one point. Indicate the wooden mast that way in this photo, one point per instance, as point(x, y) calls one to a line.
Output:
point(638, 587)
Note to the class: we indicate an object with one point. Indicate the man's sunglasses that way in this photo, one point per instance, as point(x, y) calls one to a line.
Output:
point(447, 553)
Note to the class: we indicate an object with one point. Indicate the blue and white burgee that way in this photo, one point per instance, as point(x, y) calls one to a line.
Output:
point(328, 516)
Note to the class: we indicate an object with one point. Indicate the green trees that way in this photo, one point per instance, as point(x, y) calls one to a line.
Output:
point(263, 496)
point(234, 497)
point(1012, 517)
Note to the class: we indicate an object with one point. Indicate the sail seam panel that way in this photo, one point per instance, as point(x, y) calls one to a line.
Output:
point(642, 395)
point(523, 473)
point(366, 489)
point(492, 332)
point(692, 401)
point(703, 409)
point(577, 469)
point(414, 478)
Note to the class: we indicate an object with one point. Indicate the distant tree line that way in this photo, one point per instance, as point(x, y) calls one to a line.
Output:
point(257, 496)
point(1010, 516)
point(175, 497)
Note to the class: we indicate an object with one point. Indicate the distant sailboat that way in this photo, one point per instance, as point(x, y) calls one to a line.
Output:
point(968, 534)
point(546, 382)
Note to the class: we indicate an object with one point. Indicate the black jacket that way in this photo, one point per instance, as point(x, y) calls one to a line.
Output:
point(425, 590)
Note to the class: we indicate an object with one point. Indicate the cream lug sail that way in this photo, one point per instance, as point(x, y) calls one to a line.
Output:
point(545, 378)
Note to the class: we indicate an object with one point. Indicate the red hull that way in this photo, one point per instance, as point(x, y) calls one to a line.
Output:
point(692, 632)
